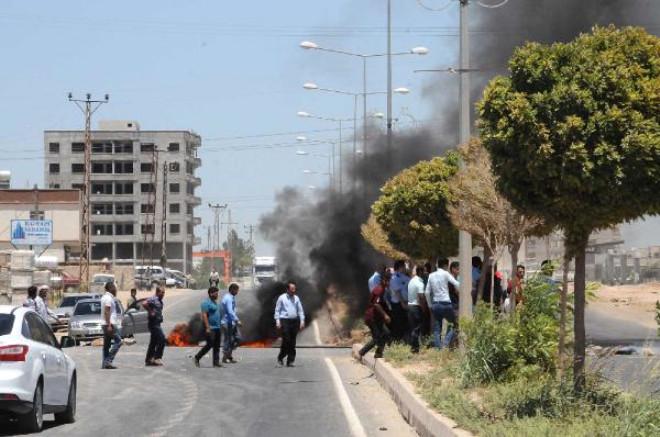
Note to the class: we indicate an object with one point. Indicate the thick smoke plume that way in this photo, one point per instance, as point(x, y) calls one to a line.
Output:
point(319, 242)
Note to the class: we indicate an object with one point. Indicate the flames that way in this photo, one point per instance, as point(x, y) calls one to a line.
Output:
point(258, 343)
point(180, 336)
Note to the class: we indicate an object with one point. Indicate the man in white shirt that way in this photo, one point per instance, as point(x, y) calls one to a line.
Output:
point(416, 306)
point(214, 278)
point(289, 319)
point(111, 324)
point(41, 305)
point(398, 299)
point(437, 290)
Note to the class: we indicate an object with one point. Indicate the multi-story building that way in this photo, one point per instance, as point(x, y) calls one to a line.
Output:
point(131, 193)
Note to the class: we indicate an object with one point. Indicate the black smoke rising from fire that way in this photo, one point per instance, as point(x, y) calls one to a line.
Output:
point(319, 242)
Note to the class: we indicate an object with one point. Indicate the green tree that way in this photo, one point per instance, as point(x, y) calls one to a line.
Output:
point(412, 209)
point(574, 136)
point(242, 252)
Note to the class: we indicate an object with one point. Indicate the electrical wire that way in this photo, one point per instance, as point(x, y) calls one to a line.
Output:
point(434, 9)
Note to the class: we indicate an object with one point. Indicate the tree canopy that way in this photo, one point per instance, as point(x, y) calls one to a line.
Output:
point(412, 209)
point(574, 131)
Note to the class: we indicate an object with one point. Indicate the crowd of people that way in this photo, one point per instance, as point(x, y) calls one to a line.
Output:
point(408, 303)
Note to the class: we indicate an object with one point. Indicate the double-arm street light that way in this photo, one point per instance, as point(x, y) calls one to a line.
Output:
point(340, 122)
point(329, 157)
point(309, 45)
point(314, 87)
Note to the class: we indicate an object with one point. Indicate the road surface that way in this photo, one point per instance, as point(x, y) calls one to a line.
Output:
point(325, 395)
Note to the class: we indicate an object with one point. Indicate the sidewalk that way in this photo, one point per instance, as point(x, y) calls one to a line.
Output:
point(412, 407)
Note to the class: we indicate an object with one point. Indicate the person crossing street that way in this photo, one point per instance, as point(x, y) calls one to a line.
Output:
point(289, 319)
point(154, 305)
point(111, 325)
point(230, 323)
point(211, 318)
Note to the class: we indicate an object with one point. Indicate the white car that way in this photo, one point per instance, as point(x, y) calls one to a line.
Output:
point(36, 377)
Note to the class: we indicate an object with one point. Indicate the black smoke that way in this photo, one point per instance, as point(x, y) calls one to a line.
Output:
point(319, 242)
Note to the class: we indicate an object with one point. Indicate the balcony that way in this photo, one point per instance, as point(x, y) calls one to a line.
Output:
point(195, 180)
point(195, 200)
point(197, 241)
point(197, 221)
point(197, 162)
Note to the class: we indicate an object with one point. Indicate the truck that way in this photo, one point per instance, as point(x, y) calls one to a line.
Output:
point(264, 270)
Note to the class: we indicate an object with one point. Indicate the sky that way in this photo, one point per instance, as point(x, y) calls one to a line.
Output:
point(231, 71)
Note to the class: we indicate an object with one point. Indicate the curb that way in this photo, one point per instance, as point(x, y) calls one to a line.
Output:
point(415, 410)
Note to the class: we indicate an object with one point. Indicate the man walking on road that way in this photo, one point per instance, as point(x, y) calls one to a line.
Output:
point(154, 305)
point(398, 298)
point(376, 318)
point(230, 323)
point(111, 324)
point(130, 303)
point(441, 307)
point(30, 301)
point(211, 318)
point(289, 319)
point(214, 278)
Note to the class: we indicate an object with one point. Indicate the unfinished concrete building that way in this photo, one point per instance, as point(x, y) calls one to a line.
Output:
point(142, 190)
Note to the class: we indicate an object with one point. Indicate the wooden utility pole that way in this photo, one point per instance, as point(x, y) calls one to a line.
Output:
point(88, 108)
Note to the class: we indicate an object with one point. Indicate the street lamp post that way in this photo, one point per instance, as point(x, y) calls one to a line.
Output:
point(314, 87)
point(419, 50)
point(339, 121)
point(329, 157)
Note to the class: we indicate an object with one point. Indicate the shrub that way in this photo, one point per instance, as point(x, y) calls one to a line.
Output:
point(497, 348)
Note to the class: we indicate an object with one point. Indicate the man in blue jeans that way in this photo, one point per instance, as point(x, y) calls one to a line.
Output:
point(437, 290)
point(154, 305)
point(211, 317)
point(111, 325)
point(230, 323)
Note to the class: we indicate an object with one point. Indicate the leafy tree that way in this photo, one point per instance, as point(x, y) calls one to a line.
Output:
point(477, 207)
point(412, 209)
point(242, 252)
point(574, 136)
point(373, 233)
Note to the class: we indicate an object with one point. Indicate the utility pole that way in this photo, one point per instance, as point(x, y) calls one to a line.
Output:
point(163, 223)
point(250, 230)
point(217, 210)
point(464, 238)
point(88, 108)
point(389, 84)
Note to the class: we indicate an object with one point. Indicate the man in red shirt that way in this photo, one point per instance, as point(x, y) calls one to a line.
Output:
point(376, 318)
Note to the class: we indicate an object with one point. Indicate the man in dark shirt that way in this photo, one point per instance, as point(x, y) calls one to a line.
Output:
point(154, 305)
point(376, 318)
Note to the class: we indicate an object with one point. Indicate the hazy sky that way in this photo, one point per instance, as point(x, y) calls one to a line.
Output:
point(226, 70)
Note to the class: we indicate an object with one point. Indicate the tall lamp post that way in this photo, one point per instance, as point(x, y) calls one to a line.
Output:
point(314, 87)
point(309, 45)
point(340, 122)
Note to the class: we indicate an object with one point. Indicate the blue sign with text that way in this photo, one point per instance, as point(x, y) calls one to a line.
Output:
point(31, 232)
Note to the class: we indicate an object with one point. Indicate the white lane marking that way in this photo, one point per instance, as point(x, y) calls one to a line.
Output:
point(317, 333)
point(354, 424)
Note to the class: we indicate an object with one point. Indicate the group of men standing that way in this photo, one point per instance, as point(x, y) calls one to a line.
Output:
point(400, 306)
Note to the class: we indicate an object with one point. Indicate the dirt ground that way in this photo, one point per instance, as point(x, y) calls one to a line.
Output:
point(631, 302)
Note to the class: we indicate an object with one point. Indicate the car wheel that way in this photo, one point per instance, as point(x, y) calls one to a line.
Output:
point(34, 420)
point(69, 415)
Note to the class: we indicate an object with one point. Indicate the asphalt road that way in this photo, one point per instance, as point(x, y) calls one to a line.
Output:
point(251, 398)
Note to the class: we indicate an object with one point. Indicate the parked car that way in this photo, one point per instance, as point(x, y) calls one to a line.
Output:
point(147, 277)
point(64, 311)
point(98, 282)
point(37, 376)
point(175, 278)
point(85, 323)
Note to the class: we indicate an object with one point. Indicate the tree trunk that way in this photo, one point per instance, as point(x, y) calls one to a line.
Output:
point(484, 268)
point(578, 323)
point(492, 284)
point(514, 271)
point(562, 314)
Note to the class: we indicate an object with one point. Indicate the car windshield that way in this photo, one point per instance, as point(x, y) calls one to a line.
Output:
point(85, 308)
point(6, 323)
point(71, 301)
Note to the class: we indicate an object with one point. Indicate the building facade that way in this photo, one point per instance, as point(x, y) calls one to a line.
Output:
point(143, 187)
point(60, 206)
